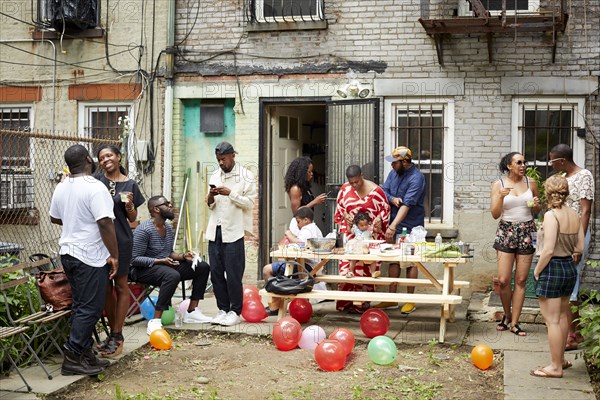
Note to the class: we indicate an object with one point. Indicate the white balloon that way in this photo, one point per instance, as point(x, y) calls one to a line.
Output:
point(311, 337)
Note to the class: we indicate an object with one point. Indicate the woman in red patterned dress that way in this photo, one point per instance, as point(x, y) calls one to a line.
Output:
point(359, 195)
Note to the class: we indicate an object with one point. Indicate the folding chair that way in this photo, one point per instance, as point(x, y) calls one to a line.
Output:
point(14, 333)
point(49, 328)
point(138, 292)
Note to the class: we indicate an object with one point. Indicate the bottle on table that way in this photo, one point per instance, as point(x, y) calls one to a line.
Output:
point(438, 239)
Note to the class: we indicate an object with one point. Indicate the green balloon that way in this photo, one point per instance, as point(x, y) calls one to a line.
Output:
point(168, 316)
point(382, 350)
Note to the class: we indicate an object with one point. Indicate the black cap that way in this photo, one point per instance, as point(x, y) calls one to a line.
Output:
point(224, 148)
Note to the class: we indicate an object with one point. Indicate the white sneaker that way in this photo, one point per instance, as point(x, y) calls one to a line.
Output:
point(153, 325)
point(230, 319)
point(195, 317)
point(218, 318)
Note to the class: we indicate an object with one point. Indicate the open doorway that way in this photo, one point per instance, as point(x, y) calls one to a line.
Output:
point(333, 135)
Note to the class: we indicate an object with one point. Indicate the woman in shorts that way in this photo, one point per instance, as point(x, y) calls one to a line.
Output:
point(514, 199)
point(556, 272)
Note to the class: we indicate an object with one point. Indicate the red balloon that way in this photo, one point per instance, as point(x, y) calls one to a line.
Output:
point(287, 333)
point(374, 322)
point(253, 310)
point(330, 355)
point(251, 292)
point(301, 310)
point(345, 337)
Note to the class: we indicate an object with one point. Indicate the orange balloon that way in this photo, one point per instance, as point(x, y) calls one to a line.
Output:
point(482, 356)
point(160, 339)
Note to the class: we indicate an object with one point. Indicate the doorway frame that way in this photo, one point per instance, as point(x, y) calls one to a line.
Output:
point(264, 155)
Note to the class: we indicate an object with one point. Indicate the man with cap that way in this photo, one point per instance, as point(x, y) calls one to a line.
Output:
point(231, 200)
point(405, 191)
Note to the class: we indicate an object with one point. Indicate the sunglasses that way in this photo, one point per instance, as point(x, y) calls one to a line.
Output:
point(166, 203)
point(111, 187)
point(521, 162)
point(556, 159)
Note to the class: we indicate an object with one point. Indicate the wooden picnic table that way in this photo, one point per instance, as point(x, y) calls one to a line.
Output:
point(445, 287)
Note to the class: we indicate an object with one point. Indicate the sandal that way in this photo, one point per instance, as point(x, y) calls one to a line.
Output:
point(516, 329)
point(102, 345)
point(349, 274)
point(567, 364)
point(502, 326)
point(543, 373)
point(114, 346)
point(571, 342)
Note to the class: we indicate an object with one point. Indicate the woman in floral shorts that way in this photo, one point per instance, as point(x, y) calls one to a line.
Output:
point(514, 199)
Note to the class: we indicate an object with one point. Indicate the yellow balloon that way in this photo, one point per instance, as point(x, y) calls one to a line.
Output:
point(160, 339)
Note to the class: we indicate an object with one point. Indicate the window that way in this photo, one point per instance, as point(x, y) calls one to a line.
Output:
point(289, 127)
point(16, 179)
point(544, 124)
point(212, 116)
point(495, 7)
point(286, 10)
point(426, 130)
point(102, 122)
point(15, 149)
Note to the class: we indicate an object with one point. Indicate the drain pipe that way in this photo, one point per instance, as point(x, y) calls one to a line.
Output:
point(53, 72)
point(169, 75)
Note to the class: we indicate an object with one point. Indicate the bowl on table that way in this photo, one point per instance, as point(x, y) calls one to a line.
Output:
point(320, 245)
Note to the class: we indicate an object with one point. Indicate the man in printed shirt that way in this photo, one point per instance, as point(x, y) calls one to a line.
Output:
point(231, 200)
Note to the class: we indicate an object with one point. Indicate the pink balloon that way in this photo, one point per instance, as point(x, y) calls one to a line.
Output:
point(311, 337)
point(183, 306)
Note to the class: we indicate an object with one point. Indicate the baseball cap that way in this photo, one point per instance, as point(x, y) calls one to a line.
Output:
point(400, 153)
point(224, 148)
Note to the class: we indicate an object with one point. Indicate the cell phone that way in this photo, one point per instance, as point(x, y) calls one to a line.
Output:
point(212, 186)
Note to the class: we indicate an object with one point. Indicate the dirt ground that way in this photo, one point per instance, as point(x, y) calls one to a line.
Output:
point(234, 366)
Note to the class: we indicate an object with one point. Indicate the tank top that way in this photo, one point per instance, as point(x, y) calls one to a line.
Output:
point(565, 242)
point(307, 197)
point(515, 208)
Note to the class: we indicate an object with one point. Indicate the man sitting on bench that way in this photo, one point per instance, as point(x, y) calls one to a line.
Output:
point(154, 263)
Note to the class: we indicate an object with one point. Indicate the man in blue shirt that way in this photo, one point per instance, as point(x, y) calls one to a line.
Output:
point(405, 191)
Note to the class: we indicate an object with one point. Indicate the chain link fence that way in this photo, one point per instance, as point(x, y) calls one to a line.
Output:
point(31, 165)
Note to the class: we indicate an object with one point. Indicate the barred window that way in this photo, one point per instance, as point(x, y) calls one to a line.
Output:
point(542, 127)
point(102, 122)
point(15, 149)
point(420, 127)
point(285, 10)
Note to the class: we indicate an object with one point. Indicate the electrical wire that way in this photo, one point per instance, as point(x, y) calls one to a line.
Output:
point(193, 25)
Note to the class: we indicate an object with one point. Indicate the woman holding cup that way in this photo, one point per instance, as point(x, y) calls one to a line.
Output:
point(514, 199)
point(127, 198)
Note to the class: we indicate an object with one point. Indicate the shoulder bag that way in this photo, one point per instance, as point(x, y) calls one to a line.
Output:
point(298, 282)
point(55, 289)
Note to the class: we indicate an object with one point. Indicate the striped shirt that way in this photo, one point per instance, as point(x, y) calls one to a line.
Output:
point(148, 245)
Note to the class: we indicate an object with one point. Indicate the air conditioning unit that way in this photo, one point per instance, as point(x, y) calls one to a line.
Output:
point(16, 191)
point(523, 7)
point(70, 14)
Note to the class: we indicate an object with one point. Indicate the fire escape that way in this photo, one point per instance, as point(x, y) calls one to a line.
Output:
point(496, 17)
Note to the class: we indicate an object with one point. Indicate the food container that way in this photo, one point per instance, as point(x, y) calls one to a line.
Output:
point(320, 245)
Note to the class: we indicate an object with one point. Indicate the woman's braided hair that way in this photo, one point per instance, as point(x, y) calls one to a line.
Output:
point(557, 190)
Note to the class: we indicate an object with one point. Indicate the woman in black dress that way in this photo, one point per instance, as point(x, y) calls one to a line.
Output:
point(127, 198)
point(297, 185)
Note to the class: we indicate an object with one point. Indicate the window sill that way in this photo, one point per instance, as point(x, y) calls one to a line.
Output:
point(286, 26)
point(86, 33)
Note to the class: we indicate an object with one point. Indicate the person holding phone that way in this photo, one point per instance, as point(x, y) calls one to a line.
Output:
point(231, 201)
point(155, 263)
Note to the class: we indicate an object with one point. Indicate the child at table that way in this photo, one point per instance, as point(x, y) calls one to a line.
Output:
point(362, 229)
point(304, 217)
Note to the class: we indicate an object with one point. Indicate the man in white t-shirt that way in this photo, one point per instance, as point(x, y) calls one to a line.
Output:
point(304, 217)
point(89, 255)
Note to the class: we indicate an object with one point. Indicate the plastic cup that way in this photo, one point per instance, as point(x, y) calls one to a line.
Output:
point(178, 319)
point(124, 197)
